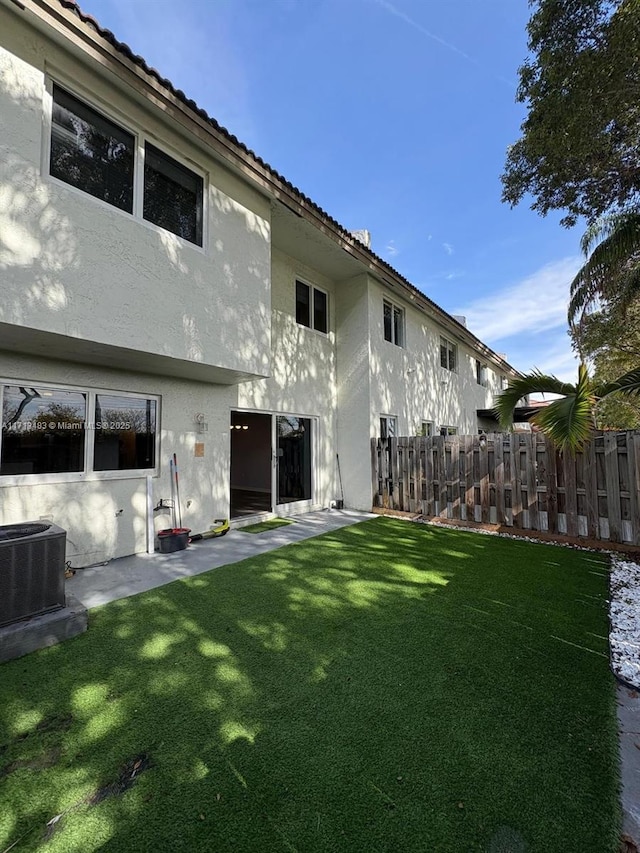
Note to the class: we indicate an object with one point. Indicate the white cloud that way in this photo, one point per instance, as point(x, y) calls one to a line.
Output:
point(448, 248)
point(560, 361)
point(391, 248)
point(536, 304)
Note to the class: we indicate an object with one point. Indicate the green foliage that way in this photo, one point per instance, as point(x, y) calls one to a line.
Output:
point(386, 687)
point(612, 271)
point(266, 526)
point(581, 85)
point(570, 420)
point(610, 340)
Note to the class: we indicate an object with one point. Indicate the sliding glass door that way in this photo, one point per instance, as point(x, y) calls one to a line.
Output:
point(272, 467)
point(293, 449)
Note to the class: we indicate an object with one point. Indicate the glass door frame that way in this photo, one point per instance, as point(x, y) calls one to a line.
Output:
point(305, 505)
point(291, 507)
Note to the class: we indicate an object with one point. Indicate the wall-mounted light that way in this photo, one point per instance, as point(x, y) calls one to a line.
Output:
point(201, 425)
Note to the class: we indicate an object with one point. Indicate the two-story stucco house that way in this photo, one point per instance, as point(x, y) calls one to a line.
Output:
point(165, 291)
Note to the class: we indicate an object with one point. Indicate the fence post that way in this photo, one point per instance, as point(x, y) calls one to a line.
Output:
point(532, 481)
point(613, 486)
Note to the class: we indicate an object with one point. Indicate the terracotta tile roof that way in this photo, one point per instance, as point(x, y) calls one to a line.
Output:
point(250, 155)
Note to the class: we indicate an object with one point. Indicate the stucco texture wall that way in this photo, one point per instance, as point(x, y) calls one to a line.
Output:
point(354, 391)
point(88, 508)
point(303, 367)
point(76, 266)
point(409, 382)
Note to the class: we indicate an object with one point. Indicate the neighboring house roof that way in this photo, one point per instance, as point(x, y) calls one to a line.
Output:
point(306, 205)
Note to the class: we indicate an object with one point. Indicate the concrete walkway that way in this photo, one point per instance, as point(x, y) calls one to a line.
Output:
point(130, 575)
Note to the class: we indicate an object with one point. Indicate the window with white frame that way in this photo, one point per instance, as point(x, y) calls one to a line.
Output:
point(481, 373)
point(448, 430)
point(312, 307)
point(426, 428)
point(504, 383)
point(388, 426)
point(448, 355)
point(96, 155)
point(393, 321)
point(48, 430)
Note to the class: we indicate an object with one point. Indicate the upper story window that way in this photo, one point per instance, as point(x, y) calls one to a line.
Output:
point(172, 195)
point(504, 383)
point(481, 373)
point(448, 355)
point(393, 318)
point(90, 152)
point(53, 431)
point(312, 307)
point(448, 430)
point(96, 155)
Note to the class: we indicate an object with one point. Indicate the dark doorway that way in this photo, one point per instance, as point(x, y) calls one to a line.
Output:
point(251, 469)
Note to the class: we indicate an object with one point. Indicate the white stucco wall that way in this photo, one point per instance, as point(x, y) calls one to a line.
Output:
point(409, 382)
point(303, 368)
point(87, 508)
point(354, 391)
point(75, 266)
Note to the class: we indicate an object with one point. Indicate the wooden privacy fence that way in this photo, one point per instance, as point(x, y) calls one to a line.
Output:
point(517, 480)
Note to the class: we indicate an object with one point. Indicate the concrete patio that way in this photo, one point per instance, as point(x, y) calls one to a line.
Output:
point(130, 575)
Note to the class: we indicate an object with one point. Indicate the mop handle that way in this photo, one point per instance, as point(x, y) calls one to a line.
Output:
point(175, 468)
point(173, 501)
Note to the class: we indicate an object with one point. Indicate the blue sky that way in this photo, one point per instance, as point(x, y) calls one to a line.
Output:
point(392, 115)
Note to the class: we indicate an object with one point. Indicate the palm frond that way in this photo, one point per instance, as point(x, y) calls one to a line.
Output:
point(535, 382)
point(630, 286)
point(628, 384)
point(604, 273)
point(625, 226)
point(568, 421)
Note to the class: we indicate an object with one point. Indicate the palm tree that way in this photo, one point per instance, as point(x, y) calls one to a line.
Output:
point(612, 270)
point(569, 421)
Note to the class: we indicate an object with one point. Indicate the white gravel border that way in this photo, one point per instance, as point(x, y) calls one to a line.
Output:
point(624, 610)
point(624, 604)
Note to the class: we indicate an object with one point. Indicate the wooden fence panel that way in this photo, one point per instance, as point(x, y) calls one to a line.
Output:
point(483, 454)
point(613, 486)
point(438, 476)
point(441, 466)
point(498, 454)
point(633, 446)
point(570, 495)
point(429, 477)
point(455, 477)
point(469, 487)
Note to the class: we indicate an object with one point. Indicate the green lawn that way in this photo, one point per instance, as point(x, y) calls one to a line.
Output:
point(265, 526)
point(387, 687)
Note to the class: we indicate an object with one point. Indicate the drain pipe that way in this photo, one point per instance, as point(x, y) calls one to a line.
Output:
point(151, 533)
